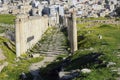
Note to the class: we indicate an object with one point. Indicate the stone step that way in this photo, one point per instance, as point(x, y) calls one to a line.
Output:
point(52, 51)
point(49, 55)
point(55, 52)
point(59, 49)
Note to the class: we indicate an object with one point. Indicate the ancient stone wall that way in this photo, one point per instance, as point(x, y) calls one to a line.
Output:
point(111, 21)
point(29, 31)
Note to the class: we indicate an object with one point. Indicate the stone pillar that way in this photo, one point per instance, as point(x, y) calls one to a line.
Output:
point(19, 27)
point(57, 18)
point(74, 33)
point(65, 21)
point(17, 34)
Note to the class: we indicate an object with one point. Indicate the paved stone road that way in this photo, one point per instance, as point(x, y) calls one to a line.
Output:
point(52, 46)
point(34, 68)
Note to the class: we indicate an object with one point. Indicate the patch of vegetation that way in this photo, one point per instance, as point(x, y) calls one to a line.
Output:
point(15, 67)
point(7, 19)
point(117, 19)
point(6, 50)
point(50, 31)
point(94, 53)
point(108, 46)
point(96, 61)
point(61, 57)
point(2, 29)
point(13, 70)
point(91, 35)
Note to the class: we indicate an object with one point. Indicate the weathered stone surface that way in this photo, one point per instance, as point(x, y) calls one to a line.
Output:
point(85, 70)
point(117, 78)
point(3, 65)
point(114, 69)
point(17, 59)
point(30, 32)
point(35, 55)
point(111, 64)
point(118, 71)
point(118, 55)
point(72, 31)
point(2, 57)
point(2, 34)
point(61, 74)
point(51, 46)
point(100, 36)
point(91, 49)
point(69, 75)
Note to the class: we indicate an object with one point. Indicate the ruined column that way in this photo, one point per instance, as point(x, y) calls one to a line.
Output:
point(65, 21)
point(20, 43)
point(57, 18)
point(17, 34)
point(74, 32)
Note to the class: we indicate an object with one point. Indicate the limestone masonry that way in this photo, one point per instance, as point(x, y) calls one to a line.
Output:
point(29, 31)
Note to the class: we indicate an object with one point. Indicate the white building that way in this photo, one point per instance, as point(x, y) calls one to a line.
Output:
point(44, 3)
point(53, 10)
point(97, 7)
point(35, 3)
point(0, 3)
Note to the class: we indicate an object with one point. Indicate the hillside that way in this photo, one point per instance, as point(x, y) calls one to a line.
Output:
point(99, 51)
point(13, 66)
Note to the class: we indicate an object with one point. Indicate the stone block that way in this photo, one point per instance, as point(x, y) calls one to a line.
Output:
point(111, 64)
point(35, 55)
point(85, 70)
point(3, 65)
point(2, 57)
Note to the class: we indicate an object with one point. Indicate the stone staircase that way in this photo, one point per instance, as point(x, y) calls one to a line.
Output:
point(52, 44)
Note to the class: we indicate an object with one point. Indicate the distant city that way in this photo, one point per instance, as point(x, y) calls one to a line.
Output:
point(85, 8)
point(59, 40)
